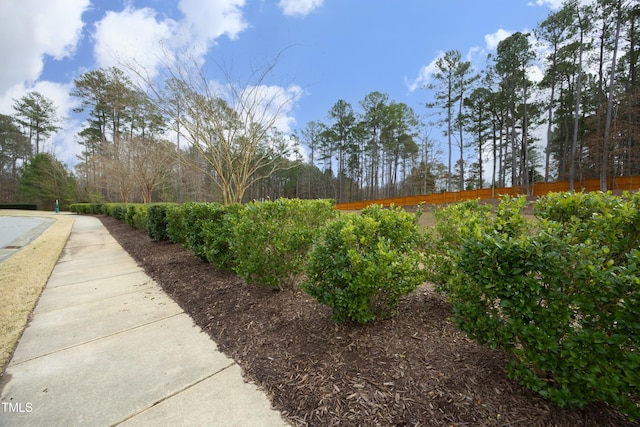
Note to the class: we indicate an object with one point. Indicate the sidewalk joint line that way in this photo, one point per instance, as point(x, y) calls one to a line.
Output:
point(138, 269)
point(96, 339)
point(142, 287)
point(156, 403)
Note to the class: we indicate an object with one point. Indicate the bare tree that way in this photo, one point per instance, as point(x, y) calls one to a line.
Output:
point(228, 125)
point(151, 163)
point(119, 172)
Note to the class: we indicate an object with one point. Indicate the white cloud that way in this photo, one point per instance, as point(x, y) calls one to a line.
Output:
point(424, 76)
point(65, 143)
point(131, 36)
point(272, 104)
point(6, 100)
point(478, 57)
point(209, 20)
point(56, 92)
point(59, 94)
point(553, 4)
point(493, 39)
point(33, 28)
point(299, 7)
point(535, 73)
point(137, 38)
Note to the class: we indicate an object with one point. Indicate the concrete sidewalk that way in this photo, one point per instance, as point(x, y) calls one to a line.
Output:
point(106, 347)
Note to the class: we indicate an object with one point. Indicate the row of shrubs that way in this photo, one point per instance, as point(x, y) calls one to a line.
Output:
point(360, 265)
point(134, 214)
point(559, 293)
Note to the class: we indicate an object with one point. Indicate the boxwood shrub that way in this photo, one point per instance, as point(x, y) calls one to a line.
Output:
point(218, 234)
point(80, 208)
point(136, 215)
point(175, 223)
point(157, 221)
point(271, 239)
point(561, 296)
point(361, 264)
point(191, 225)
point(119, 211)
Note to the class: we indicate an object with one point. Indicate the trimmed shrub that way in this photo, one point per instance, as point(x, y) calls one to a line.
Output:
point(119, 211)
point(130, 214)
point(362, 263)
point(157, 221)
point(218, 234)
point(561, 296)
point(205, 229)
point(80, 208)
point(96, 208)
point(136, 216)
point(194, 217)
point(457, 221)
point(613, 221)
point(21, 206)
point(176, 231)
point(271, 239)
point(116, 210)
point(107, 208)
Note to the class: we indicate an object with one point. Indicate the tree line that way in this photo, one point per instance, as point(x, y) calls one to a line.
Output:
point(178, 137)
point(587, 102)
point(23, 143)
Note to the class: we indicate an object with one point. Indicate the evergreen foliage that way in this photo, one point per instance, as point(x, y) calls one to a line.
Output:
point(362, 263)
point(559, 295)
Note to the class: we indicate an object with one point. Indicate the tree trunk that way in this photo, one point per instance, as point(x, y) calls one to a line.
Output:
point(607, 126)
point(576, 120)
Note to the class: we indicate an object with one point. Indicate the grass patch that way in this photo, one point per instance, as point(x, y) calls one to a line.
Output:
point(24, 275)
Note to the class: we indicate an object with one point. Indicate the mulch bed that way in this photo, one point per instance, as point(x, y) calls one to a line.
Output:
point(414, 369)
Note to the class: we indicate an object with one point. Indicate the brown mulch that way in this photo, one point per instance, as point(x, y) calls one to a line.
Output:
point(414, 369)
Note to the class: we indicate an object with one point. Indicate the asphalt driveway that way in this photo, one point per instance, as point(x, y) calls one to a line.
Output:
point(18, 231)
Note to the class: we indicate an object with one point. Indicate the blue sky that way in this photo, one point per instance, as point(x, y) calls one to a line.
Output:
point(333, 49)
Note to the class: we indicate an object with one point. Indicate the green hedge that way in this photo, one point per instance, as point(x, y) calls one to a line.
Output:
point(96, 208)
point(270, 240)
point(362, 263)
point(204, 228)
point(156, 225)
point(136, 215)
point(119, 211)
point(561, 295)
point(21, 206)
point(195, 218)
point(91, 208)
point(107, 208)
point(147, 217)
point(175, 223)
point(218, 234)
point(80, 208)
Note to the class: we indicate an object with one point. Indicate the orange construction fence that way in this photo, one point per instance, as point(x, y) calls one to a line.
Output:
point(537, 189)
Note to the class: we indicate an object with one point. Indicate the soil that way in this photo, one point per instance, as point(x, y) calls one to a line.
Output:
point(414, 369)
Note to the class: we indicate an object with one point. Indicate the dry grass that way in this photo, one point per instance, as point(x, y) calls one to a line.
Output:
point(427, 220)
point(23, 276)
